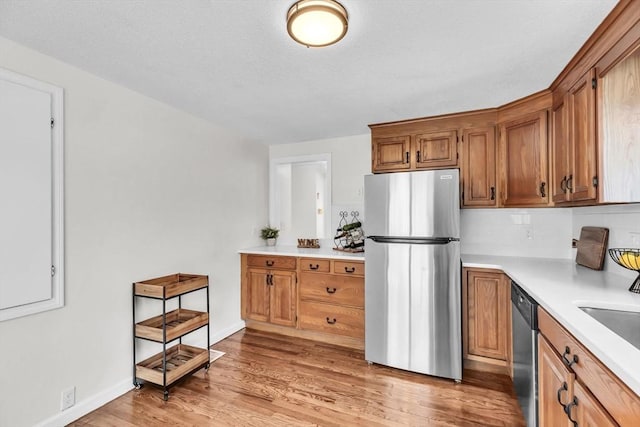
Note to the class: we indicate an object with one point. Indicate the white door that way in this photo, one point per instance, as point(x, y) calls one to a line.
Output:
point(25, 195)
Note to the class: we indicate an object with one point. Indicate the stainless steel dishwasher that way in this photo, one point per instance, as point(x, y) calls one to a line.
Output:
point(524, 321)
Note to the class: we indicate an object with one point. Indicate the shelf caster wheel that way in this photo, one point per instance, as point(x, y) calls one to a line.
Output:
point(206, 367)
point(166, 396)
point(138, 386)
point(457, 381)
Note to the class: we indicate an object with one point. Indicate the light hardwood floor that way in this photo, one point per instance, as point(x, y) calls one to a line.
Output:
point(270, 380)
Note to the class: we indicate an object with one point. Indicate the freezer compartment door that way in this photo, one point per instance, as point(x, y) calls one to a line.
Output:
point(417, 204)
point(412, 307)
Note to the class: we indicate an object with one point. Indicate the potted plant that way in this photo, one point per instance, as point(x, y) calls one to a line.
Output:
point(270, 235)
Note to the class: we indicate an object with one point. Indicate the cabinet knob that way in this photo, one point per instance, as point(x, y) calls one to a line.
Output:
point(331, 321)
point(349, 269)
point(407, 156)
point(493, 193)
point(570, 183)
point(269, 263)
point(563, 184)
point(542, 189)
point(331, 290)
point(313, 267)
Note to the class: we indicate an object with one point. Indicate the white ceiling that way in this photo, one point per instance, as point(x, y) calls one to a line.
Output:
point(232, 62)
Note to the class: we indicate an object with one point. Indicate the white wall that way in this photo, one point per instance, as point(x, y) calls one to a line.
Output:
point(149, 191)
point(350, 162)
point(539, 233)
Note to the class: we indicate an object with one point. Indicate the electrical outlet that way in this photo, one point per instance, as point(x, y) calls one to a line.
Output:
point(68, 398)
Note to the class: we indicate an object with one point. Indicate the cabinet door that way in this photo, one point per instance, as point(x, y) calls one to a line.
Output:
point(523, 148)
point(258, 294)
point(586, 409)
point(479, 167)
point(436, 149)
point(555, 387)
point(390, 154)
point(282, 303)
point(560, 147)
point(582, 101)
point(487, 307)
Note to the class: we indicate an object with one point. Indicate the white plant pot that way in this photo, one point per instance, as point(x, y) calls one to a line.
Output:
point(271, 242)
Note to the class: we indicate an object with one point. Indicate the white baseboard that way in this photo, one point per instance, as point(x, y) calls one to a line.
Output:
point(92, 403)
point(227, 331)
point(85, 406)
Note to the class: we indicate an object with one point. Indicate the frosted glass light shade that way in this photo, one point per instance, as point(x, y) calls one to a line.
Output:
point(317, 23)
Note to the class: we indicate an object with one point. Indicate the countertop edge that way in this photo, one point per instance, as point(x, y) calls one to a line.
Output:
point(322, 252)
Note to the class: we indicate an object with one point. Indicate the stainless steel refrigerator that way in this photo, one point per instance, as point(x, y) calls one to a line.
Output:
point(412, 272)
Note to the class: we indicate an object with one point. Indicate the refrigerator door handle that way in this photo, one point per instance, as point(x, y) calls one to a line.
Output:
point(413, 240)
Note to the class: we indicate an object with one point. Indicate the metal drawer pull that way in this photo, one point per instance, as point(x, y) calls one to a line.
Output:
point(566, 361)
point(349, 270)
point(313, 267)
point(331, 322)
point(331, 290)
point(493, 193)
point(567, 410)
point(269, 263)
point(564, 387)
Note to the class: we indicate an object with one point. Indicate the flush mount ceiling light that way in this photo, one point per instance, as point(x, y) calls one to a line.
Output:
point(317, 23)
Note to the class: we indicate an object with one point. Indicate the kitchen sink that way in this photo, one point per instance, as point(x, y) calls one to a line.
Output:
point(624, 323)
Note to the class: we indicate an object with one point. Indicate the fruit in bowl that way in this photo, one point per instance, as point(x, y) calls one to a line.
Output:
point(630, 259)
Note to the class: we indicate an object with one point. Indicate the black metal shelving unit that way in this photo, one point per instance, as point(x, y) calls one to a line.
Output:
point(171, 364)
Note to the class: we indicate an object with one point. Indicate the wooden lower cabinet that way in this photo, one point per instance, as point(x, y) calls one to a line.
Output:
point(486, 299)
point(555, 387)
point(593, 395)
point(271, 296)
point(320, 299)
point(563, 399)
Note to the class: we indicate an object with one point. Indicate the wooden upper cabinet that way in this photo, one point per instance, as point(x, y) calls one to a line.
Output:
point(560, 147)
point(523, 161)
point(436, 149)
point(391, 154)
point(573, 143)
point(582, 110)
point(478, 167)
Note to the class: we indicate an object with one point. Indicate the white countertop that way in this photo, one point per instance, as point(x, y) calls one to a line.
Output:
point(560, 287)
point(322, 252)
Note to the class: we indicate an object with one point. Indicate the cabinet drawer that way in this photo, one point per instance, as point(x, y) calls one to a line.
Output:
point(315, 265)
point(332, 288)
point(620, 401)
point(333, 319)
point(281, 262)
point(355, 268)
